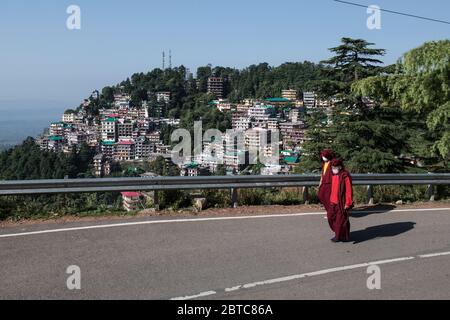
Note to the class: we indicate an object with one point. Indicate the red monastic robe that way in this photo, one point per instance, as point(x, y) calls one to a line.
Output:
point(341, 196)
point(325, 186)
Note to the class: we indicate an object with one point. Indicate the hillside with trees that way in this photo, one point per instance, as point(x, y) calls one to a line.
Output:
point(386, 119)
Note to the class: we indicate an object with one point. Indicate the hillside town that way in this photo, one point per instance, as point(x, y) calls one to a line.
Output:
point(122, 133)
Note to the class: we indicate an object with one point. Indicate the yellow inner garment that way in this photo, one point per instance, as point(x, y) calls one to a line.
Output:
point(325, 167)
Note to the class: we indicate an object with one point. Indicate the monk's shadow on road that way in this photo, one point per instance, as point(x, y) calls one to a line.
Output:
point(369, 210)
point(381, 231)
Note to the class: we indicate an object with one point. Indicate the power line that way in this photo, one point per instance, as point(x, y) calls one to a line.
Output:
point(394, 12)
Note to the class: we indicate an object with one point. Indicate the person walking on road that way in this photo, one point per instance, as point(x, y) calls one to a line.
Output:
point(341, 201)
point(325, 181)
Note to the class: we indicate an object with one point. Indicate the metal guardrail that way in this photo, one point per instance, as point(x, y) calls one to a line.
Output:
point(28, 187)
point(33, 187)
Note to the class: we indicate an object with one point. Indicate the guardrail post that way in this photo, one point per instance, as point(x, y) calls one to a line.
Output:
point(234, 198)
point(306, 194)
point(370, 192)
point(156, 200)
point(370, 195)
point(430, 191)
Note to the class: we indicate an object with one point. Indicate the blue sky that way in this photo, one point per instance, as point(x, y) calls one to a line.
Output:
point(41, 60)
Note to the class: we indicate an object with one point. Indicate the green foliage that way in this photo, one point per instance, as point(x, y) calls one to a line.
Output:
point(27, 161)
point(51, 206)
point(353, 60)
point(318, 138)
point(370, 140)
point(374, 138)
point(162, 168)
point(421, 84)
point(175, 199)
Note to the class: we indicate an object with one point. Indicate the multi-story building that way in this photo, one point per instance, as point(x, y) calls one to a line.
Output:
point(143, 148)
point(253, 138)
point(122, 101)
point(76, 138)
point(294, 115)
point(163, 96)
point(109, 129)
point(171, 121)
point(260, 114)
point(92, 138)
point(234, 140)
point(42, 142)
point(258, 142)
point(55, 143)
point(154, 136)
point(224, 105)
point(125, 150)
point(69, 117)
point(108, 148)
point(98, 165)
point(242, 108)
point(133, 115)
point(125, 130)
point(235, 160)
point(193, 169)
point(131, 200)
point(293, 134)
point(240, 121)
point(143, 112)
point(108, 166)
point(272, 124)
point(162, 149)
point(57, 128)
point(108, 113)
point(216, 86)
point(309, 99)
point(212, 154)
point(289, 94)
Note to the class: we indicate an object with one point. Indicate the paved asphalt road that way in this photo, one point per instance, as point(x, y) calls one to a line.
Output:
point(277, 257)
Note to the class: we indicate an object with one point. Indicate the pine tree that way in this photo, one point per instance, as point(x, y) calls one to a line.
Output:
point(370, 138)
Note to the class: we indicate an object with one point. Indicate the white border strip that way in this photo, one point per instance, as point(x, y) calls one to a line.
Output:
point(200, 295)
point(432, 255)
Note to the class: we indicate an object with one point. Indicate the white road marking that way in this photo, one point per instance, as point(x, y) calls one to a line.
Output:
point(200, 295)
point(316, 273)
point(431, 255)
point(325, 271)
point(128, 224)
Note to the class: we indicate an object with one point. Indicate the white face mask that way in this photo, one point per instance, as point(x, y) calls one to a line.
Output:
point(324, 159)
point(336, 170)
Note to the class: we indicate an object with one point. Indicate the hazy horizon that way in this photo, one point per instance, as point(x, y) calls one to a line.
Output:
point(43, 60)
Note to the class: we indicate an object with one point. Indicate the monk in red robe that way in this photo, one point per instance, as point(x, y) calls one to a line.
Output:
point(341, 201)
point(325, 182)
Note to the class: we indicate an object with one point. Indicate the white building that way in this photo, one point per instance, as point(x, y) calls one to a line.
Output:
point(69, 117)
point(109, 129)
point(260, 114)
point(290, 94)
point(309, 99)
point(163, 96)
